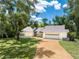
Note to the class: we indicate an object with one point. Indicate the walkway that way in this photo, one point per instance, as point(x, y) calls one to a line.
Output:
point(51, 49)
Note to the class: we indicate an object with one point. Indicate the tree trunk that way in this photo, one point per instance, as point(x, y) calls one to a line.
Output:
point(17, 31)
point(6, 35)
point(17, 35)
point(35, 33)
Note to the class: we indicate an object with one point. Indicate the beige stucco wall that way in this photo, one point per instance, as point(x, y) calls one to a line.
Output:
point(63, 35)
point(26, 34)
point(43, 35)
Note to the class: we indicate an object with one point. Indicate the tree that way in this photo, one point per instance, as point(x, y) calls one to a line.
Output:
point(69, 24)
point(71, 19)
point(58, 20)
point(3, 24)
point(34, 24)
point(73, 13)
point(19, 21)
point(44, 20)
point(19, 14)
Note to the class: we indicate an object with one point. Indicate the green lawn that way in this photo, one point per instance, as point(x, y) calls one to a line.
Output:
point(71, 47)
point(13, 49)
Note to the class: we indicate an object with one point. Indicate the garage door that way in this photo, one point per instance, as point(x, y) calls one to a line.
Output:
point(52, 36)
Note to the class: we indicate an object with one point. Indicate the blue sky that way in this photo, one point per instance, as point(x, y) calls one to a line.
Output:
point(50, 8)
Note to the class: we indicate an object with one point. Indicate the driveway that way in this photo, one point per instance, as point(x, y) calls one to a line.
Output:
point(51, 49)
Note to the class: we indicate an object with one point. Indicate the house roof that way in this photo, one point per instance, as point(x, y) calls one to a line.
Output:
point(27, 29)
point(55, 28)
point(39, 29)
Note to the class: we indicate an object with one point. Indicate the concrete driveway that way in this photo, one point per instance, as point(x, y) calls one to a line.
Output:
point(51, 49)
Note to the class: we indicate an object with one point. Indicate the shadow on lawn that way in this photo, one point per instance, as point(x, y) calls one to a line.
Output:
point(24, 48)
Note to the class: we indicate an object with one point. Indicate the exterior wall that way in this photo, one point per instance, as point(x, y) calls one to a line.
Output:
point(63, 35)
point(60, 35)
point(40, 34)
point(51, 33)
point(26, 34)
point(43, 35)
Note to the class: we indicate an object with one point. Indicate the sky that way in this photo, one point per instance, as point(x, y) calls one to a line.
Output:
point(49, 9)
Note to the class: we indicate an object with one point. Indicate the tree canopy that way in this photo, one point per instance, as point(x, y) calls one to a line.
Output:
point(14, 16)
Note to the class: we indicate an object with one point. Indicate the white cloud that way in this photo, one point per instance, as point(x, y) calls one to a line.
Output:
point(40, 7)
point(38, 18)
point(42, 4)
point(41, 0)
point(65, 6)
point(52, 3)
point(33, 17)
point(57, 6)
point(45, 3)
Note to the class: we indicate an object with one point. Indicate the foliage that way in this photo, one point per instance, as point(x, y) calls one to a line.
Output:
point(72, 36)
point(34, 24)
point(44, 20)
point(74, 12)
point(64, 20)
point(60, 20)
point(71, 19)
point(4, 25)
point(17, 17)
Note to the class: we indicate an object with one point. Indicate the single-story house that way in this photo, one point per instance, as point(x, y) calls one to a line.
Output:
point(26, 32)
point(53, 32)
point(48, 32)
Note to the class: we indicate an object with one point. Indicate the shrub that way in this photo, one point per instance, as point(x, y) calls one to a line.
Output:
point(72, 36)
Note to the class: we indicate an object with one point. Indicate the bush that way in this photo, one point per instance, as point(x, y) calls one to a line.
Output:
point(72, 36)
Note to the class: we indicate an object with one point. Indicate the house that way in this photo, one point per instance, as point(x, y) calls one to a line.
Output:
point(48, 32)
point(26, 32)
point(53, 32)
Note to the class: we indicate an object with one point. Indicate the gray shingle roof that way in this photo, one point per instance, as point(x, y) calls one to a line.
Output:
point(55, 28)
point(39, 29)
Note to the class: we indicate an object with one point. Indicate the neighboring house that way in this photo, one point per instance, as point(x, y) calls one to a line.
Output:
point(53, 32)
point(26, 32)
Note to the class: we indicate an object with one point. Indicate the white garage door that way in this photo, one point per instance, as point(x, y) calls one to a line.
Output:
point(52, 36)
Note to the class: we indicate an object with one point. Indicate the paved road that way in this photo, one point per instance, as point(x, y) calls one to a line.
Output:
point(51, 49)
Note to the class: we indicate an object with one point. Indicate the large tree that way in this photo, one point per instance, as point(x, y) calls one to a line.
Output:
point(74, 12)
point(4, 24)
point(71, 19)
point(18, 12)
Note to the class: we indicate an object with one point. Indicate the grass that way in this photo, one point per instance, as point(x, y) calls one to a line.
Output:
point(13, 49)
point(71, 47)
